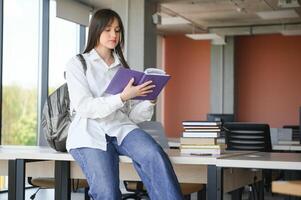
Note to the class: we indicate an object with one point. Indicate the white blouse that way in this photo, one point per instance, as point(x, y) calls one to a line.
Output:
point(98, 113)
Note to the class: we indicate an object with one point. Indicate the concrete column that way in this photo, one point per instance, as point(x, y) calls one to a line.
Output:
point(160, 61)
point(222, 77)
point(140, 36)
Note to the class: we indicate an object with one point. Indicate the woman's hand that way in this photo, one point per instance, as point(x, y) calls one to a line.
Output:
point(131, 91)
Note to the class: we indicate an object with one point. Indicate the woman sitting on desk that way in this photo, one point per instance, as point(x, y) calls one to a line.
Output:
point(105, 127)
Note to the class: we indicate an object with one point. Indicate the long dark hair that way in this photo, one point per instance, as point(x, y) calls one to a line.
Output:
point(99, 21)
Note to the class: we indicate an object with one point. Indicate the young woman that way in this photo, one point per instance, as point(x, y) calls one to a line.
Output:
point(104, 126)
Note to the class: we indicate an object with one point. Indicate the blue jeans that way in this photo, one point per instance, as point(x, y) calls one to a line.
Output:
point(101, 168)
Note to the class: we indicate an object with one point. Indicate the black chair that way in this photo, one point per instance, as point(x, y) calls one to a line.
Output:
point(247, 136)
point(250, 137)
point(49, 183)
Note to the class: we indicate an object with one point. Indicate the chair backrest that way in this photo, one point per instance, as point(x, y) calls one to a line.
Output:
point(248, 137)
point(156, 130)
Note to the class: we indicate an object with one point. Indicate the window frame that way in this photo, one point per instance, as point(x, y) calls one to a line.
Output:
point(1, 61)
point(43, 66)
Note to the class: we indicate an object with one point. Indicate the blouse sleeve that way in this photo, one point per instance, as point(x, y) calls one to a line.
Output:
point(140, 111)
point(81, 97)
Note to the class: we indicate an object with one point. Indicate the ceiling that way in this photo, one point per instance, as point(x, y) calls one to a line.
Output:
point(97, 4)
point(238, 16)
point(206, 15)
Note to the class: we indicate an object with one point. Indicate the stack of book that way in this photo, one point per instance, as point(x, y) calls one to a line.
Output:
point(200, 137)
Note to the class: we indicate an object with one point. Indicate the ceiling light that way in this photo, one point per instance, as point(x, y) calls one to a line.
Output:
point(204, 36)
point(173, 20)
point(215, 38)
point(278, 14)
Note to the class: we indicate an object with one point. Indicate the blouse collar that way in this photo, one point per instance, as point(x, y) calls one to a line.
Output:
point(96, 57)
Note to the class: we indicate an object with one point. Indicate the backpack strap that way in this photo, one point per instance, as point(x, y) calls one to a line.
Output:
point(83, 61)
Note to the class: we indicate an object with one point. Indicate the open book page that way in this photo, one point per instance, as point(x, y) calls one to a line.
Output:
point(158, 77)
point(154, 71)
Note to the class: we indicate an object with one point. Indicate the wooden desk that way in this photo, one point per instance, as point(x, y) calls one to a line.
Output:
point(287, 147)
point(259, 160)
point(282, 146)
point(13, 165)
point(174, 142)
point(289, 142)
point(13, 160)
point(45, 162)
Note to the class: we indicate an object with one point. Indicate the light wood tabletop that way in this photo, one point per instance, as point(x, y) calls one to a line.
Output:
point(263, 160)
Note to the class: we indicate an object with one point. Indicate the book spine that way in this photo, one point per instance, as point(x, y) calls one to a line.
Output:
point(196, 123)
point(198, 141)
point(219, 146)
point(202, 130)
point(202, 151)
point(201, 134)
point(201, 127)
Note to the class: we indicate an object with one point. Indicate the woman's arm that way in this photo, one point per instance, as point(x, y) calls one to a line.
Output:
point(81, 97)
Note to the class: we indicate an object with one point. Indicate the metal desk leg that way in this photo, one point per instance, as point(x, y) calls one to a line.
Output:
point(215, 182)
point(16, 179)
point(261, 190)
point(62, 180)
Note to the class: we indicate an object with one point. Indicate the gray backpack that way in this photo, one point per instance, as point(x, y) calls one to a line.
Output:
point(56, 115)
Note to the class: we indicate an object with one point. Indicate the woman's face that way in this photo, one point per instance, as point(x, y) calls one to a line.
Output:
point(110, 36)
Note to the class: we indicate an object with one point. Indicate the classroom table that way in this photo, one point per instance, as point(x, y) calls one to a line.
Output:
point(287, 147)
point(256, 160)
point(281, 146)
point(45, 162)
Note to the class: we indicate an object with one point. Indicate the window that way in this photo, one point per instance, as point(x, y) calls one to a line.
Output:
point(20, 71)
point(63, 44)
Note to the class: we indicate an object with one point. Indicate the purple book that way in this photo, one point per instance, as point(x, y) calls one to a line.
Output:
point(124, 75)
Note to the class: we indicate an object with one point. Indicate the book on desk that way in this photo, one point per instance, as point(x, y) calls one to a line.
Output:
point(200, 137)
point(212, 124)
point(120, 80)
